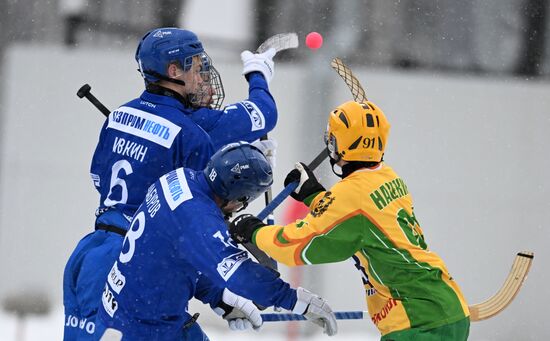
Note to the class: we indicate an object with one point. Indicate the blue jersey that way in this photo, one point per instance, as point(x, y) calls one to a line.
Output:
point(154, 134)
point(247, 120)
point(140, 141)
point(178, 248)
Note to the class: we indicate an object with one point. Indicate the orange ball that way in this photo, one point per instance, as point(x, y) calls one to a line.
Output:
point(314, 40)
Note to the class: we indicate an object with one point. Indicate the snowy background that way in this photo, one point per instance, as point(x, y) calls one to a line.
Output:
point(470, 136)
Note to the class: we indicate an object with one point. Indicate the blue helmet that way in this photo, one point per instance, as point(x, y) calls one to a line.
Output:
point(162, 46)
point(239, 171)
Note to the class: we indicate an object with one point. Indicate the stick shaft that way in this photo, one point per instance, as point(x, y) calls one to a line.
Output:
point(268, 196)
point(279, 198)
point(279, 42)
point(340, 315)
point(85, 91)
point(98, 104)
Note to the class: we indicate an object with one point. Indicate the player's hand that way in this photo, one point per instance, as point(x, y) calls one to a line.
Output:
point(261, 62)
point(268, 148)
point(239, 312)
point(242, 228)
point(308, 183)
point(316, 310)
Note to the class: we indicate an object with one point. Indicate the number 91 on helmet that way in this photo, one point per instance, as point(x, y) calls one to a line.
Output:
point(357, 132)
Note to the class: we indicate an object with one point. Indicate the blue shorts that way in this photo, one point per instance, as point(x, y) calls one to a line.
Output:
point(83, 281)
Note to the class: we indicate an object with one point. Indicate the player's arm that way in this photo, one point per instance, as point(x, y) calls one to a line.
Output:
point(207, 292)
point(247, 120)
point(239, 312)
point(190, 149)
point(212, 252)
point(98, 167)
point(327, 234)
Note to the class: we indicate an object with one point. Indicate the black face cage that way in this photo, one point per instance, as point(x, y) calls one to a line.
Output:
point(211, 93)
point(218, 94)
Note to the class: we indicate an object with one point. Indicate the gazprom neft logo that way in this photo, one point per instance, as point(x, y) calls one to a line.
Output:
point(256, 115)
point(175, 188)
point(145, 125)
point(230, 264)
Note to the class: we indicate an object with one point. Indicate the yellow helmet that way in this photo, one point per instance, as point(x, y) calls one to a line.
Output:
point(357, 132)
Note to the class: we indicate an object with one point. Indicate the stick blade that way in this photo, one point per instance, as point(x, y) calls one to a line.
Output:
point(352, 82)
point(280, 42)
point(506, 294)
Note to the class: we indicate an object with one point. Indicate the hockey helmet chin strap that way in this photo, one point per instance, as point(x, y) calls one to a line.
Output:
point(163, 77)
point(160, 90)
point(189, 100)
point(185, 100)
point(227, 214)
point(350, 166)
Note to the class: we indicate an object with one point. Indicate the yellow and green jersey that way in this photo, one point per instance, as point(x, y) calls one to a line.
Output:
point(368, 216)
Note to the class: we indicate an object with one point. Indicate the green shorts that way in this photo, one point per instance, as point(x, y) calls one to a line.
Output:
point(457, 331)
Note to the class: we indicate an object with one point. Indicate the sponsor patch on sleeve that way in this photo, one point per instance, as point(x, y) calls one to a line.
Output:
point(256, 115)
point(175, 188)
point(116, 279)
point(230, 264)
point(95, 179)
point(108, 299)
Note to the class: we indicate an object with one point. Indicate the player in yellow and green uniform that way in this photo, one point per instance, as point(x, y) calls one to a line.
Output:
point(367, 216)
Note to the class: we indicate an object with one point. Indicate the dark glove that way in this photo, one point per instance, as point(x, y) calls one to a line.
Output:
point(308, 183)
point(243, 227)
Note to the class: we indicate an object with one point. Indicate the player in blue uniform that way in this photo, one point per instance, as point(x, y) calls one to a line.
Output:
point(174, 123)
point(178, 238)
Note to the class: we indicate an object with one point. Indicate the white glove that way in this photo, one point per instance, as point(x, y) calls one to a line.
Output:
point(239, 312)
point(268, 148)
point(111, 334)
point(262, 62)
point(316, 310)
